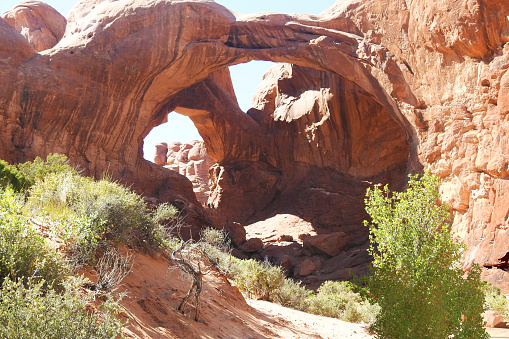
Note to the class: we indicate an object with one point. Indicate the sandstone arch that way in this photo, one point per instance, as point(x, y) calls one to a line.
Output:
point(119, 67)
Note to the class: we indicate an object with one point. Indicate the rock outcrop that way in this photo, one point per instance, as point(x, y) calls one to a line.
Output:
point(38, 22)
point(371, 90)
point(189, 159)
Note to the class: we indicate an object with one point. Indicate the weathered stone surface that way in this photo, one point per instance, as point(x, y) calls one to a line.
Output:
point(329, 244)
point(189, 159)
point(38, 22)
point(377, 89)
point(160, 157)
point(237, 233)
point(252, 245)
point(305, 268)
point(494, 319)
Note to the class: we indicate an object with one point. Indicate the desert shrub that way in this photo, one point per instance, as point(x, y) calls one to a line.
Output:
point(38, 169)
point(165, 214)
point(82, 236)
point(416, 274)
point(292, 294)
point(23, 252)
point(10, 177)
point(495, 300)
point(216, 238)
point(337, 299)
point(102, 208)
point(259, 280)
point(32, 311)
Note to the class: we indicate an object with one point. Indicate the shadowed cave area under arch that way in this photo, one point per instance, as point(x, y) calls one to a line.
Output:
point(310, 146)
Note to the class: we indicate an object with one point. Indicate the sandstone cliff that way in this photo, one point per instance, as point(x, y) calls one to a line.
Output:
point(371, 90)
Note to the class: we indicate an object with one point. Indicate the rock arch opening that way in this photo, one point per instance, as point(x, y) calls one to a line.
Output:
point(176, 144)
point(307, 149)
point(176, 128)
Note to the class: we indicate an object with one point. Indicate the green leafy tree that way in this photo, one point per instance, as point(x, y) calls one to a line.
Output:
point(416, 274)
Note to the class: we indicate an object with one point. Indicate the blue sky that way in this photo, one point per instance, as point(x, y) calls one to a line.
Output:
point(245, 77)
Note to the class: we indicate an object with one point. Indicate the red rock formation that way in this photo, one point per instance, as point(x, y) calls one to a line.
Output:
point(38, 22)
point(189, 159)
point(395, 86)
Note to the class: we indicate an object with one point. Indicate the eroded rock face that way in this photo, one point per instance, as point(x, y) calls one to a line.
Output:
point(38, 22)
point(189, 159)
point(377, 89)
point(456, 55)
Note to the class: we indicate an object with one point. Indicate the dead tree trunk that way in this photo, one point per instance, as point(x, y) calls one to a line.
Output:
point(196, 274)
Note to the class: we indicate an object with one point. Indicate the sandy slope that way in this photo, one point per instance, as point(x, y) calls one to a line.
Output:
point(155, 289)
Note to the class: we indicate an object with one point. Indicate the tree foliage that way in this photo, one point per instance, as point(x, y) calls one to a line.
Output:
point(416, 275)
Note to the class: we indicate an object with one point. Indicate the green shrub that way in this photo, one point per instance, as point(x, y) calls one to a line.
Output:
point(82, 236)
point(36, 170)
point(23, 252)
point(495, 300)
point(292, 294)
point(32, 311)
point(102, 208)
point(337, 299)
point(10, 177)
point(165, 214)
point(416, 275)
point(258, 280)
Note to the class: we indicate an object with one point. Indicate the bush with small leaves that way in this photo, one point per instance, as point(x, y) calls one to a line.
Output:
point(101, 208)
point(38, 169)
point(292, 294)
point(165, 214)
point(337, 299)
point(495, 300)
point(10, 177)
point(416, 273)
point(32, 311)
point(259, 280)
point(23, 252)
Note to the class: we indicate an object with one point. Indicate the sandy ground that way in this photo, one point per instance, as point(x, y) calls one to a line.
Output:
point(155, 288)
point(498, 333)
point(313, 325)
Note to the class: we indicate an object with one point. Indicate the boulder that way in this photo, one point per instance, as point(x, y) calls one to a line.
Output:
point(160, 156)
point(329, 244)
point(494, 319)
point(305, 268)
point(237, 233)
point(252, 245)
point(38, 22)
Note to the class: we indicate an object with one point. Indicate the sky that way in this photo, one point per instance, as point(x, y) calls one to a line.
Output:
point(245, 77)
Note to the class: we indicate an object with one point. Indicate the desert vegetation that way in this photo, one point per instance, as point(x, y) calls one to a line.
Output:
point(416, 274)
point(416, 285)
